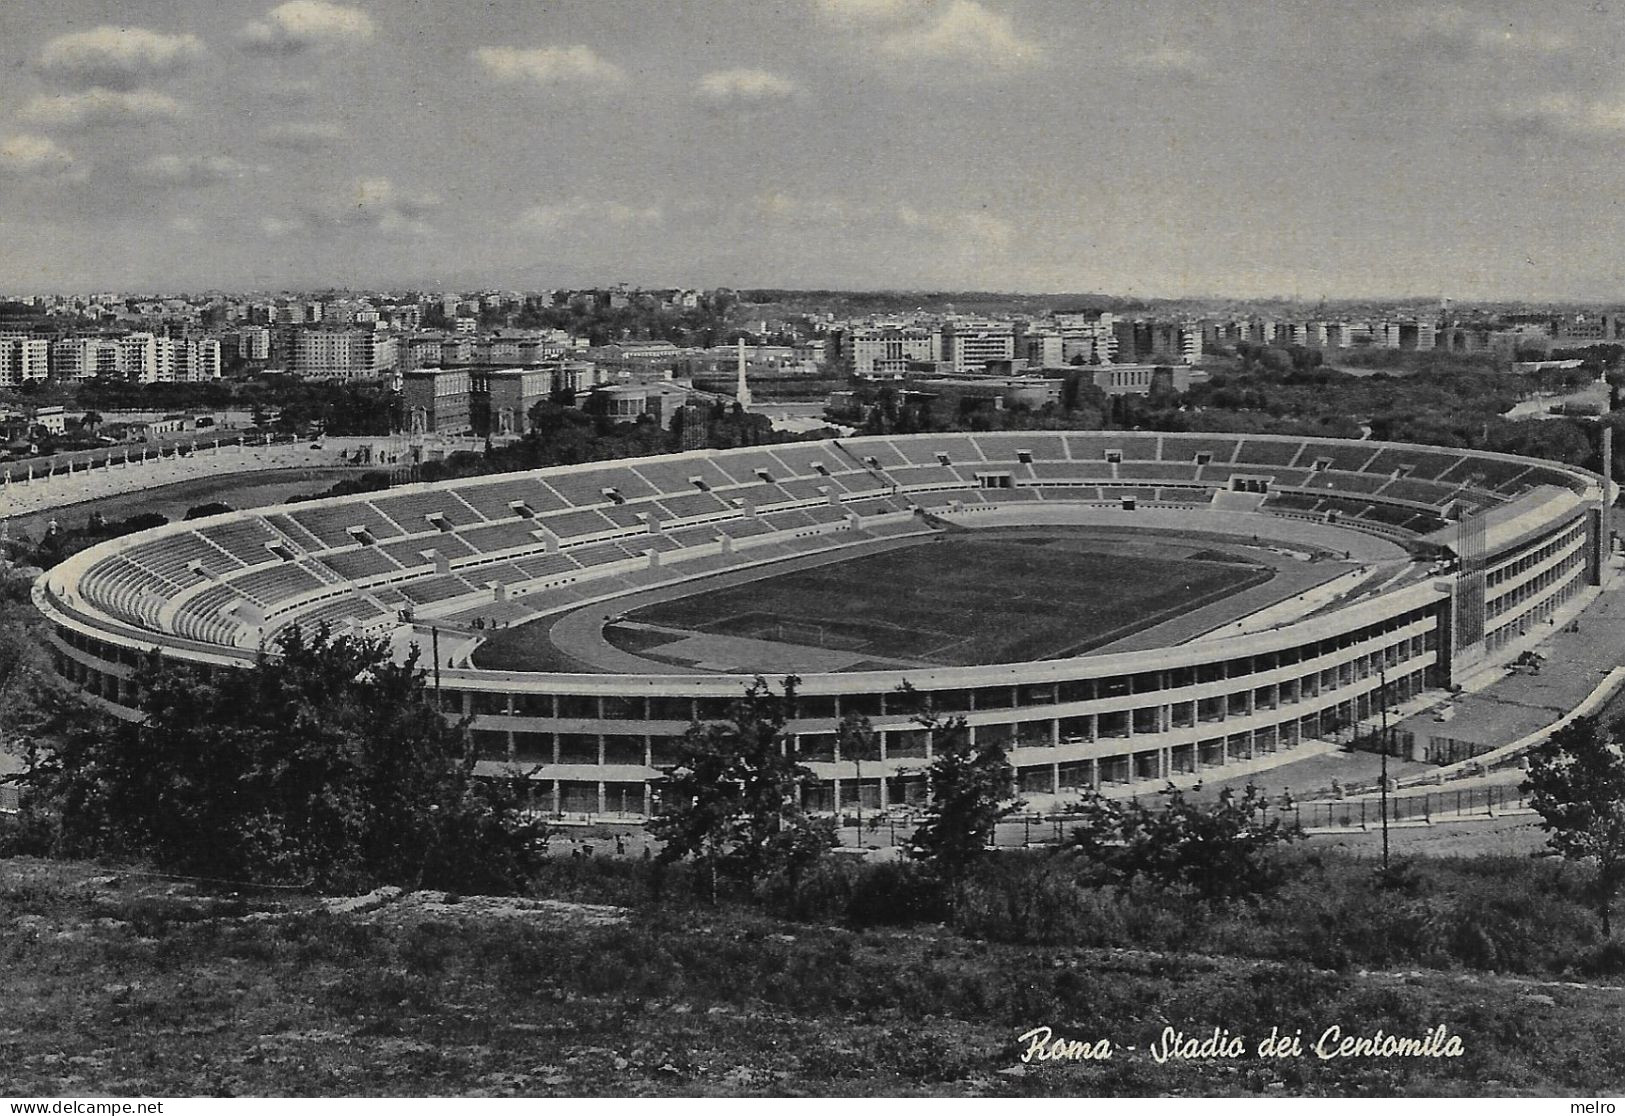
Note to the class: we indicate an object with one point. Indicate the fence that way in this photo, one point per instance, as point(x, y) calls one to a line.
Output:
point(1444, 750)
point(1048, 830)
point(1449, 804)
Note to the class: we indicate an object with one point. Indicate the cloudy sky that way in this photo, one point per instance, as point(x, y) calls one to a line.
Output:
point(1156, 147)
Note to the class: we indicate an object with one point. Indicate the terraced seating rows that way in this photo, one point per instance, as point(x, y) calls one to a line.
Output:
point(1072, 470)
point(410, 552)
point(548, 565)
point(364, 562)
point(172, 557)
point(338, 614)
point(583, 506)
point(501, 536)
point(1257, 452)
point(434, 589)
point(691, 505)
point(495, 500)
point(276, 585)
point(1219, 450)
point(245, 540)
point(584, 490)
point(1156, 471)
point(1417, 491)
point(1344, 457)
point(933, 476)
point(332, 525)
point(1420, 465)
point(204, 618)
point(412, 511)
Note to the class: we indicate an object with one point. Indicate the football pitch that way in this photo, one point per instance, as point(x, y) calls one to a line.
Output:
point(958, 601)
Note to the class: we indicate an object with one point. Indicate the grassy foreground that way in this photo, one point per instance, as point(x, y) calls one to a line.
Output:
point(120, 984)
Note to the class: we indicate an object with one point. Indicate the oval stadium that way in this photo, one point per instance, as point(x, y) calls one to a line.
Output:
point(1116, 608)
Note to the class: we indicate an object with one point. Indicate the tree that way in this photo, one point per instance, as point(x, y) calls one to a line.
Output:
point(325, 763)
point(1222, 851)
point(733, 798)
point(969, 787)
point(1576, 784)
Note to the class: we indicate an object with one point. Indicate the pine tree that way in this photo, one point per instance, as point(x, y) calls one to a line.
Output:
point(1576, 784)
point(969, 794)
point(733, 799)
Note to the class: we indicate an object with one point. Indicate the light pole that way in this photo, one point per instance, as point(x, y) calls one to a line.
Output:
point(1382, 748)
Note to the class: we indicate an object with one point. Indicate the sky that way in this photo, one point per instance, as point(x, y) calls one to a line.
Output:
point(1172, 148)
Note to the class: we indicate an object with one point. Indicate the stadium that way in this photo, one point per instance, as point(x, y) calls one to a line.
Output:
point(1114, 607)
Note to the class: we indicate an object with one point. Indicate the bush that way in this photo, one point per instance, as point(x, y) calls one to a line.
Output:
point(202, 511)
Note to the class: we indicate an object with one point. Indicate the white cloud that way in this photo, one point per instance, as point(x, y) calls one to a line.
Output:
point(372, 205)
point(99, 106)
point(583, 213)
point(962, 31)
point(1171, 59)
point(290, 91)
point(1452, 30)
point(870, 13)
point(970, 231)
point(797, 209)
point(302, 135)
point(550, 66)
point(377, 203)
point(972, 228)
point(1564, 114)
point(115, 57)
point(280, 226)
point(27, 156)
point(302, 25)
point(745, 89)
point(193, 170)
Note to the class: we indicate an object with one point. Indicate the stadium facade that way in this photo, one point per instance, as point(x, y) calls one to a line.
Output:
point(1496, 545)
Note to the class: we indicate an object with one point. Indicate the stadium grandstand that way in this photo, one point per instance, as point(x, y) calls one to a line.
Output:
point(42, 484)
point(1468, 552)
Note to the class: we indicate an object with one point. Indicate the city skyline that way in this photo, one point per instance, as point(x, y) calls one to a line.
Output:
point(1401, 150)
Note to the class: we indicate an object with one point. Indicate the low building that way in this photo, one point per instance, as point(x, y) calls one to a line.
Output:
point(958, 395)
point(438, 400)
point(1140, 379)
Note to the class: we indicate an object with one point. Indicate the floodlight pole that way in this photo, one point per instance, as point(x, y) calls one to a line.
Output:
point(434, 641)
point(857, 763)
point(1382, 748)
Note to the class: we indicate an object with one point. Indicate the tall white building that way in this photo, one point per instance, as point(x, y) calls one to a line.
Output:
point(968, 346)
point(883, 352)
point(23, 358)
point(343, 354)
point(138, 357)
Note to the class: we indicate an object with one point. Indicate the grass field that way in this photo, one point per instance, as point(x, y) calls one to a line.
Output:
point(968, 602)
point(123, 985)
